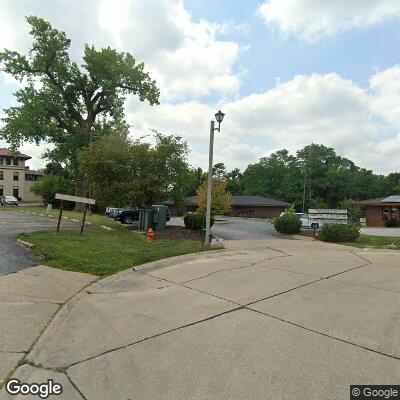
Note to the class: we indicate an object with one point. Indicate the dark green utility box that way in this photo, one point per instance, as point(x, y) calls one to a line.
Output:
point(145, 220)
point(159, 212)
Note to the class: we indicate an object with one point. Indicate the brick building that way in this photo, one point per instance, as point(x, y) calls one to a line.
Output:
point(378, 211)
point(243, 206)
point(16, 178)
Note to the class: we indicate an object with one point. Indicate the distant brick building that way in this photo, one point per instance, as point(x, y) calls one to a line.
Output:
point(244, 206)
point(378, 211)
point(16, 179)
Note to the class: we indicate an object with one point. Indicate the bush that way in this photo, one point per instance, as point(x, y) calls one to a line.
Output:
point(391, 223)
point(336, 233)
point(195, 221)
point(288, 223)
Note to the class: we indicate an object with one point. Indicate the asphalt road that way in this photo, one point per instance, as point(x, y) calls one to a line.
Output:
point(235, 228)
point(14, 257)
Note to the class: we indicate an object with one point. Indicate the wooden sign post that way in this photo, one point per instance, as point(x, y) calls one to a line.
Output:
point(74, 199)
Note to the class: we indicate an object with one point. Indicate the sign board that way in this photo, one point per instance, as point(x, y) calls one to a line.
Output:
point(327, 216)
point(75, 199)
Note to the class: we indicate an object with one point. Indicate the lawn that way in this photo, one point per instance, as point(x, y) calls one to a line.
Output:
point(95, 219)
point(103, 252)
point(376, 242)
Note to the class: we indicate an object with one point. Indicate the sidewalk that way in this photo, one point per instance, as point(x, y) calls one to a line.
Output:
point(29, 299)
point(262, 319)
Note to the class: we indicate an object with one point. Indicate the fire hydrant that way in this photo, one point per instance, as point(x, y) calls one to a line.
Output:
point(150, 235)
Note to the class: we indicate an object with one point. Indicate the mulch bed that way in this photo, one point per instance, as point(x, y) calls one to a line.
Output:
point(309, 233)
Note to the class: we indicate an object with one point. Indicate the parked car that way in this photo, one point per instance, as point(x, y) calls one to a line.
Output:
point(127, 215)
point(9, 201)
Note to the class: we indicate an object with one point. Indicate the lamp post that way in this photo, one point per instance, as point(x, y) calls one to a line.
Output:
point(219, 116)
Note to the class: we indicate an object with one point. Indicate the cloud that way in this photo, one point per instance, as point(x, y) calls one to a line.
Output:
point(325, 109)
point(314, 19)
point(185, 57)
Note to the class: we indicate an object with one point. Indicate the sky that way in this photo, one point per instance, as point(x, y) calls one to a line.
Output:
point(286, 73)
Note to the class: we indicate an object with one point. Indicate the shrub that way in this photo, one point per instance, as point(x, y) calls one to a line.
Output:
point(288, 223)
point(195, 221)
point(339, 233)
point(391, 223)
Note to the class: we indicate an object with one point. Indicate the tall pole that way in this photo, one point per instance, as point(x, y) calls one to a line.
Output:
point(304, 189)
point(209, 186)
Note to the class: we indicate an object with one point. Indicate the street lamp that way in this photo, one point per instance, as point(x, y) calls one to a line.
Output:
point(219, 116)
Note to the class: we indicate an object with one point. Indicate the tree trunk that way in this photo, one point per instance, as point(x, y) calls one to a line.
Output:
point(79, 191)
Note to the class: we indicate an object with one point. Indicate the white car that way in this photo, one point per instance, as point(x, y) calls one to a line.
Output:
point(9, 201)
point(305, 220)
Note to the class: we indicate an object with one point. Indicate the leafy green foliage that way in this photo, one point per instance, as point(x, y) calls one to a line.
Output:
point(49, 185)
point(221, 200)
point(336, 233)
point(329, 178)
point(289, 223)
point(353, 209)
point(195, 221)
point(123, 172)
point(391, 223)
point(66, 104)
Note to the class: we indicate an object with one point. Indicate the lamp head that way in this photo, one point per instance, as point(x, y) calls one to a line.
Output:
point(219, 116)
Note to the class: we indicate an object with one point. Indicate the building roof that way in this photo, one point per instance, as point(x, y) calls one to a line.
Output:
point(247, 201)
point(33, 172)
point(382, 201)
point(7, 153)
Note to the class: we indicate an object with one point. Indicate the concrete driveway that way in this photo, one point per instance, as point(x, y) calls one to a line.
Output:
point(14, 257)
point(236, 228)
point(263, 319)
point(392, 232)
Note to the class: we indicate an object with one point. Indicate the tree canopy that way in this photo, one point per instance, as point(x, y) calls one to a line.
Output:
point(65, 104)
point(124, 172)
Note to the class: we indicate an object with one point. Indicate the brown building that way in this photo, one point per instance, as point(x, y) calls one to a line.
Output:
point(16, 179)
point(244, 206)
point(378, 211)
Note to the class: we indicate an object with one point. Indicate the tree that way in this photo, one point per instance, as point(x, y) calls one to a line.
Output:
point(353, 209)
point(67, 105)
point(233, 180)
point(123, 172)
point(219, 170)
point(196, 178)
point(221, 199)
point(49, 185)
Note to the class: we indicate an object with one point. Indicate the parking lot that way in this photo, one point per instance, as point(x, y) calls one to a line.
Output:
point(236, 228)
point(14, 257)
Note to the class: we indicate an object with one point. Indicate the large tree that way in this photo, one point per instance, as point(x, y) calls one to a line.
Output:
point(125, 172)
point(65, 104)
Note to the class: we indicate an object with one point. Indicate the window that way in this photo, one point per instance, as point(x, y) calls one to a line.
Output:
point(1, 176)
point(16, 192)
point(8, 160)
point(390, 213)
point(1, 190)
point(29, 177)
point(15, 161)
point(1, 160)
point(15, 176)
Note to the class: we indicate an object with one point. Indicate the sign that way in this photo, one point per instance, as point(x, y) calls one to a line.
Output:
point(75, 199)
point(327, 216)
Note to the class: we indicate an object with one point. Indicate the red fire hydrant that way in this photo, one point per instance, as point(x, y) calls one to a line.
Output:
point(150, 235)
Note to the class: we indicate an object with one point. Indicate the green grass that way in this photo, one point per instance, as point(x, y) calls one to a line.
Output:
point(95, 219)
point(376, 242)
point(103, 252)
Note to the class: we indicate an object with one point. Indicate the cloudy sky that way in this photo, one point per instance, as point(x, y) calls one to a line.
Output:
point(285, 72)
